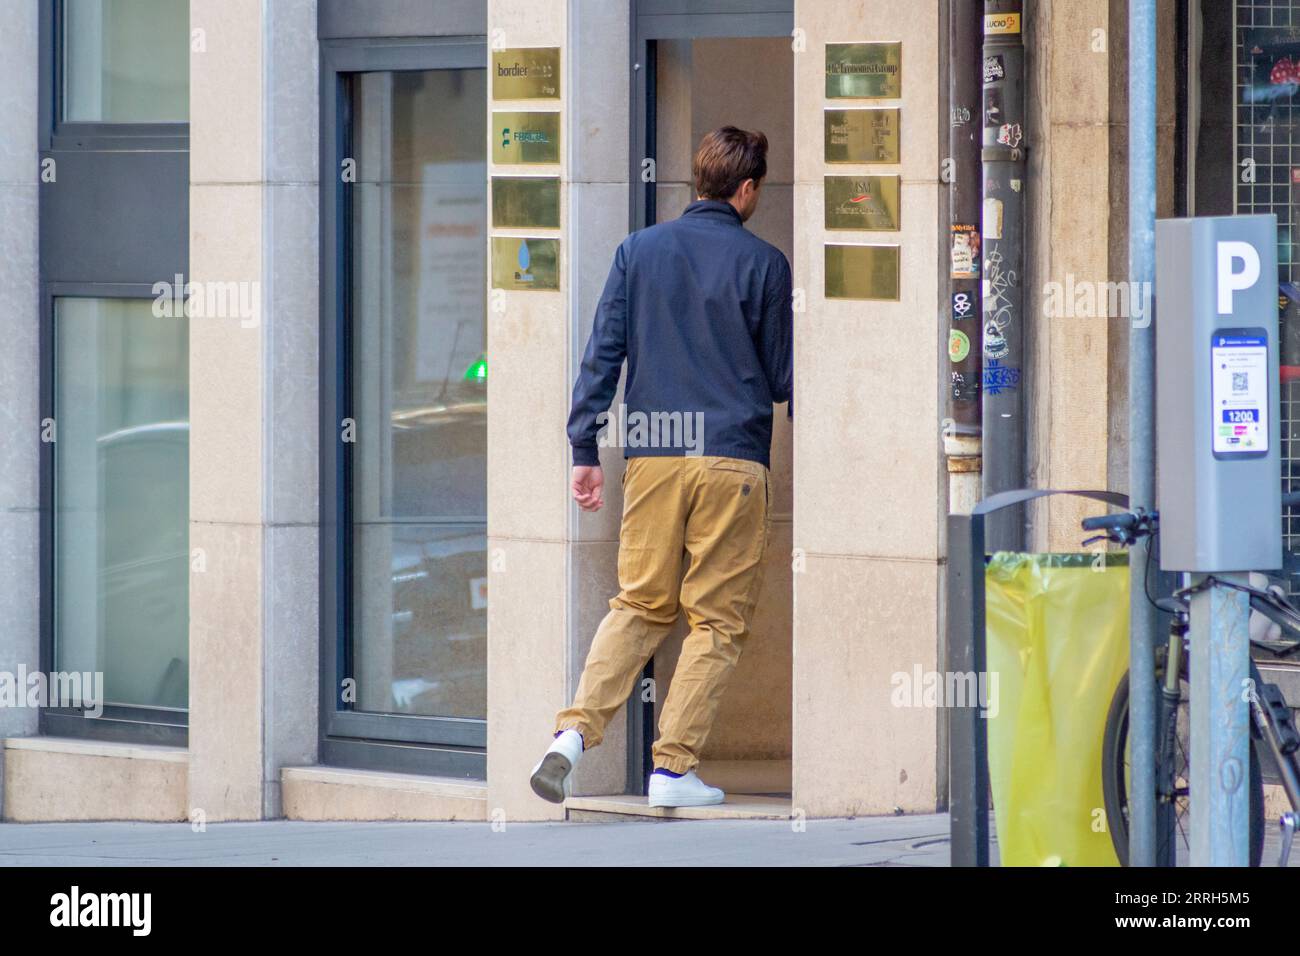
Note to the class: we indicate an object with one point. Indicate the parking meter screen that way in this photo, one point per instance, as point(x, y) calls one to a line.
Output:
point(1239, 386)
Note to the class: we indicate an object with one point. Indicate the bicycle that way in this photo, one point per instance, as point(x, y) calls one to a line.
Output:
point(1273, 731)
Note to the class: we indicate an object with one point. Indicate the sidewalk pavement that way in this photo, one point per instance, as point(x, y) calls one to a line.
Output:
point(864, 841)
point(920, 840)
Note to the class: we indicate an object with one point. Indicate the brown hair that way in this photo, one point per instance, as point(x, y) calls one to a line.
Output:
point(727, 157)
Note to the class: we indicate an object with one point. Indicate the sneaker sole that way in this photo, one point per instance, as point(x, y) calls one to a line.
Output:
point(549, 778)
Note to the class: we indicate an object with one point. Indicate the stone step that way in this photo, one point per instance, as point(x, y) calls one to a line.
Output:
point(738, 806)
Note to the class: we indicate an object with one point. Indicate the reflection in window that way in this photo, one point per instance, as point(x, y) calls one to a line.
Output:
point(126, 61)
point(121, 499)
point(419, 392)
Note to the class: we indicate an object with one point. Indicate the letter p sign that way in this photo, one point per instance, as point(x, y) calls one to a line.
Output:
point(1232, 279)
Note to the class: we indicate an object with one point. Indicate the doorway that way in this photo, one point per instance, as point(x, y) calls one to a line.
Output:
point(695, 72)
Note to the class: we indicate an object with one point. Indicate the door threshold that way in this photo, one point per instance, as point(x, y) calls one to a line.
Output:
point(739, 806)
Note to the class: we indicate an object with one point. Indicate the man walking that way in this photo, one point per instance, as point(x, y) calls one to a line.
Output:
point(700, 309)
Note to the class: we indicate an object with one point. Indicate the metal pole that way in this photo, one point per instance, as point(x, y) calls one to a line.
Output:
point(1220, 729)
point(1141, 247)
point(968, 766)
point(961, 437)
point(1003, 250)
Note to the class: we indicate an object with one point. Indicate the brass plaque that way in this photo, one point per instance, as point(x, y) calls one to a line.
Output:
point(862, 136)
point(526, 202)
point(866, 71)
point(526, 73)
point(525, 138)
point(525, 264)
point(863, 202)
point(862, 272)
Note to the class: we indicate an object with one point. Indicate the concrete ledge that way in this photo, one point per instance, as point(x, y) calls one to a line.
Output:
point(338, 793)
point(50, 779)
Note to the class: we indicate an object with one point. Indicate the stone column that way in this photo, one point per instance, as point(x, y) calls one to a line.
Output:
point(19, 360)
point(869, 492)
point(1076, 294)
point(254, 642)
point(528, 469)
point(1069, 233)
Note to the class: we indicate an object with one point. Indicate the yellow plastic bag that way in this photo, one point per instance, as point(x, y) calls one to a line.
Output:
point(1057, 630)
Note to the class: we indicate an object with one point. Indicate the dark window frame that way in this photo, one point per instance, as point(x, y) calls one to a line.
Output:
point(91, 157)
point(446, 746)
point(60, 134)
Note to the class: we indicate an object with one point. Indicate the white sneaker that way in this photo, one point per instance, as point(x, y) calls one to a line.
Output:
point(688, 790)
point(551, 776)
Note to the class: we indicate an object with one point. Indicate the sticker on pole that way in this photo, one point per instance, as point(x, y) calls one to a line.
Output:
point(1001, 23)
point(1239, 392)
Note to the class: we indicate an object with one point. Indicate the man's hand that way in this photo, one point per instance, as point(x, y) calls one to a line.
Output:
point(588, 487)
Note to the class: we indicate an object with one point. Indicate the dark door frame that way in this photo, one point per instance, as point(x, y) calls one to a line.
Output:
point(652, 21)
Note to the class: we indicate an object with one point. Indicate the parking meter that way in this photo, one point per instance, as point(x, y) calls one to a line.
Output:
point(1219, 479)
point(1219, 487)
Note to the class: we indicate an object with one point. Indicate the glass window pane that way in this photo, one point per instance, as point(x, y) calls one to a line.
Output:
point(126, 61)
point(419, 392)
point(121, 498)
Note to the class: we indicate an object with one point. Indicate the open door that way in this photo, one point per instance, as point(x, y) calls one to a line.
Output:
point(696, 72)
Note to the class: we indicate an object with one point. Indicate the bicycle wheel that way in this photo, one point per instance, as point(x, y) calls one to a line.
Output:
point(1115, 782)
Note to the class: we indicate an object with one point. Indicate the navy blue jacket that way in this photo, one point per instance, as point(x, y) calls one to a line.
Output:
point(700, 309)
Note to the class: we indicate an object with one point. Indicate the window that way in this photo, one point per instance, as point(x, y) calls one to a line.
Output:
point(121, 499)
point(114, 110)
point(405, 430)
point(126, 61)
point(419, 469)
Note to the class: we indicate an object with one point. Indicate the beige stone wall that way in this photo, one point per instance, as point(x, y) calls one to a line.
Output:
point(528, 473)
point(1068, 242)
point(254, 465)
point(867, 452)
point(1077, 232)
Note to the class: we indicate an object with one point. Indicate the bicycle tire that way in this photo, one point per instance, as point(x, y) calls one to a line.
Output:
point(1114, 785)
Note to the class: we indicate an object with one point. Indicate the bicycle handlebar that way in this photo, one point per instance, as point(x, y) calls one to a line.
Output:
point(1124, 528)
point(1120, 522)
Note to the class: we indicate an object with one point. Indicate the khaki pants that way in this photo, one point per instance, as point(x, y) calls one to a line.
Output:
point(714, 512)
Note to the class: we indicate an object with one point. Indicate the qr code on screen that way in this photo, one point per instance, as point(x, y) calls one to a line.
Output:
point(1240, 381)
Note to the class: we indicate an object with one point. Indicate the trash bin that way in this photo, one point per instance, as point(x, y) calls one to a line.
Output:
point(1057, 646)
